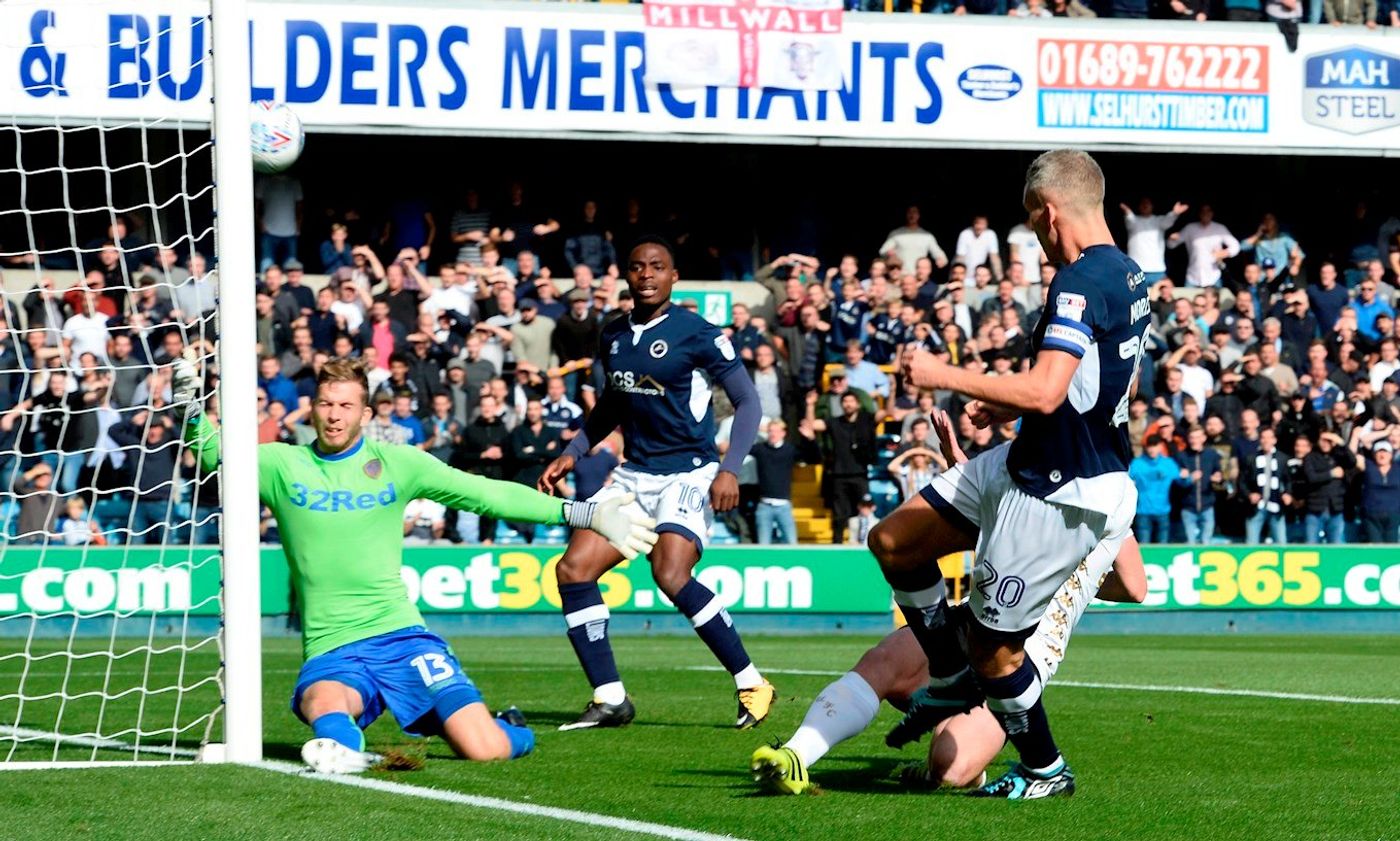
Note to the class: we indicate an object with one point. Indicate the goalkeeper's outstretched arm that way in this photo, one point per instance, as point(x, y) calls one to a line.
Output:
point(631, 534)
point(203, 439)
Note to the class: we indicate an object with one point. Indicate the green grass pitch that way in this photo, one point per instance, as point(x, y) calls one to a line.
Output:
point(1151, 765)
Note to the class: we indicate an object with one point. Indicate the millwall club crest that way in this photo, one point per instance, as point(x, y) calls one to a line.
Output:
point(612, 351)
point(658, 348)
point(373, 468)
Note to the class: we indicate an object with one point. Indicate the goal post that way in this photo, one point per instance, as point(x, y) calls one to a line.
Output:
point(125, 636)
point(233, 235)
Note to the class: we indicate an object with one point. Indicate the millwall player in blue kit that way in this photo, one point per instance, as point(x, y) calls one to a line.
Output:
point(1035, 507)
point(659, 363)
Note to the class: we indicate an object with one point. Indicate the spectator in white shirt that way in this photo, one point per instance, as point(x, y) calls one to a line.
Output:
point(423, 522)
point(350, 306)
point(1147, 236)
point(911, 242)
point(86, 332)
point(1196, 380)
point(1208, 245)
point(1387, 365)
point(979, 246)
point(1026, 250)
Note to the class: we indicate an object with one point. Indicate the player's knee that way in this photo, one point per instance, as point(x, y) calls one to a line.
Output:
point(993, 658)
point(895, 668)
point(570, 570)
point(325, 697)
point(884, 544)
point(670, 576)
point(482, 744)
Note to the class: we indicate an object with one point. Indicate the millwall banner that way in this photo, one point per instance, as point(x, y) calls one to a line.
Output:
point(791, 44)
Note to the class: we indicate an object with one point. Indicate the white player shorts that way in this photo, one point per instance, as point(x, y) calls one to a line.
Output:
point(678, 502)
point(1026, 547)
point(1046, 646)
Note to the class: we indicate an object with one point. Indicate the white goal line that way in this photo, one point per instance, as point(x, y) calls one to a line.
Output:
point(656, 830)
point(475, 801)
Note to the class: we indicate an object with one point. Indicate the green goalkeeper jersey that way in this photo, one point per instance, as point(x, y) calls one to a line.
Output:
point(341, 521)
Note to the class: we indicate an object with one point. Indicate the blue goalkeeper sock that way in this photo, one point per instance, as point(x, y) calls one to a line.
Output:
point(340, 727)
point(522, 739)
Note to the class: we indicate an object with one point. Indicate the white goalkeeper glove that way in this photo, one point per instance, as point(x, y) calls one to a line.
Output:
point(629, 533)
point(185, 385)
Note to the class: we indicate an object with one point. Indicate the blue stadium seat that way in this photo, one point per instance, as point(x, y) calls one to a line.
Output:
point(886, 496)
point(552, 535)
point(112, 513)
point(720, 535)
point(507, 536)
point(9, 518)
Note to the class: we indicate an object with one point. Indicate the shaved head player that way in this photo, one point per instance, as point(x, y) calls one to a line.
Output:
point(1035, 507)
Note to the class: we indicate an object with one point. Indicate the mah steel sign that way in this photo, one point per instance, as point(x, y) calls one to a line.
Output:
point(510, 67)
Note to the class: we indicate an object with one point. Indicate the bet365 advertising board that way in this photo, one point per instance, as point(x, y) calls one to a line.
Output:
point(811, 580)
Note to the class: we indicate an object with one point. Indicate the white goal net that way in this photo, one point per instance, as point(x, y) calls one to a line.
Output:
point(115, 619)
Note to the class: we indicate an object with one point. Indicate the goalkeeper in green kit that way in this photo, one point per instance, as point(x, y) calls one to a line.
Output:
point(339, 506)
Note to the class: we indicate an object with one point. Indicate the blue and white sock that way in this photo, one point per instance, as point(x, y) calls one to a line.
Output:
point(920, 595)
point(713, 625)
point(1015, 701)
point(340, 727)
point(587, 619)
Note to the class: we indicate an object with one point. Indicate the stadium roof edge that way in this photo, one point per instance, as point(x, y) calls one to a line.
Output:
point(754, 140)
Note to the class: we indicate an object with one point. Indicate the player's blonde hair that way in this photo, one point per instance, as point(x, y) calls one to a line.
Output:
point(344, 369)
point(1068, 177)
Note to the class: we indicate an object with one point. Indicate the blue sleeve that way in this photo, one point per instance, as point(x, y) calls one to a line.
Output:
point(747, 414)
point(715, 355)
point(1179, 462)
point(1077, 314)
point(605, 417)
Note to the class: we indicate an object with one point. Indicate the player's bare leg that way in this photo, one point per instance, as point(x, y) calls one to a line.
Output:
point(962, 745)
point(893, 670)
point(332, 708)
point(586, 559)
point(907, 544)
point(473, 733)
point(673, 563)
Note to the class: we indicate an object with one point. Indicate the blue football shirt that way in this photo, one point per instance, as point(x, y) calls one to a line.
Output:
point(658, 376)
point(1096, 310)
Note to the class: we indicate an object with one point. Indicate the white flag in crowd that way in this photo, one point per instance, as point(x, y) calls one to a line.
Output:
point(794, 44)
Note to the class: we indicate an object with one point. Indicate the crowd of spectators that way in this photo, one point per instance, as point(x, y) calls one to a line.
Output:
point(1267, 407)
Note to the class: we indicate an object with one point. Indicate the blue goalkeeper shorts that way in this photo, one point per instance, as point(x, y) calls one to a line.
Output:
point(412, 672)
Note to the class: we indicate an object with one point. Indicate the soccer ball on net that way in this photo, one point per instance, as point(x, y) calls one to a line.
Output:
point(277, 136)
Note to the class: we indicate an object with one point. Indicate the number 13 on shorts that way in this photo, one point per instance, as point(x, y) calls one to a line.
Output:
point(434, 668)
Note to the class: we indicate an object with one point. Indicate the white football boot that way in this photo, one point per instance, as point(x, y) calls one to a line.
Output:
point(327, 756)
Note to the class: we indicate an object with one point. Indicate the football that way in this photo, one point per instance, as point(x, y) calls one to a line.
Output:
point(277, 136)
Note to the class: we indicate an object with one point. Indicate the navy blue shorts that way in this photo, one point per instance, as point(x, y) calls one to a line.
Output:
point(403, 670)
